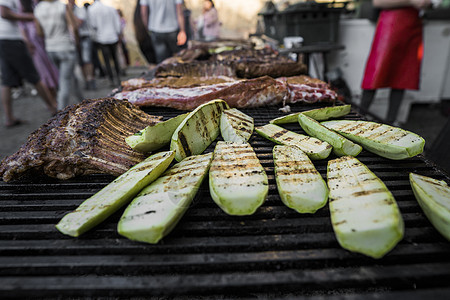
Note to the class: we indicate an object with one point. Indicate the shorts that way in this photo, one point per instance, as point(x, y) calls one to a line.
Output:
point(16, 64)
point(85, 54)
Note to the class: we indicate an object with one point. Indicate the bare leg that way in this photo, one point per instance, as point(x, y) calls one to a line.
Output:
point(46, 95)
point(7, 107)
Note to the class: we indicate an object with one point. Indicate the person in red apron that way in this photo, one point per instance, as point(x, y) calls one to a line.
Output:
point(396, 54)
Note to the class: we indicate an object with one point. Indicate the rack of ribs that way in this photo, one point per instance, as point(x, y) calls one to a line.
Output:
point(82, 139)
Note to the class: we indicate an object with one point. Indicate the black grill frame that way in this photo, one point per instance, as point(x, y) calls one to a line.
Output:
point(275, 253)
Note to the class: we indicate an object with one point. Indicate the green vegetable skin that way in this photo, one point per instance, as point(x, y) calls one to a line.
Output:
point(319, 114)
point(364, 214)
point(384, 140)
point(197, 131)
point(314, 148)
point(158, 207)
point(237, 180)
point(154, 137)
point(235, 126)
point(116, 194)
point(299, 184)
point(434, 199)
point(341, 145)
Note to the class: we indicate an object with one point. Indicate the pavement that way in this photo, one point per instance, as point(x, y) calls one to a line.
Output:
point(426, 120)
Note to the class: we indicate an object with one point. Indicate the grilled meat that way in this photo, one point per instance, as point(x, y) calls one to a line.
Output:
point(242, 63)
point(262, 91)
point(245, 93)
point(82, 139)
point(172, 82)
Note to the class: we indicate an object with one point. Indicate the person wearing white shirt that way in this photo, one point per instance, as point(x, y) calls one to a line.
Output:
point(165, 21)
point(54, 20)
point(85, 53)
point(16, 63)
point(105, 22)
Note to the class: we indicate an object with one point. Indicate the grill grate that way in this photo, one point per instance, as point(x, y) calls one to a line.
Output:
point(274, 253)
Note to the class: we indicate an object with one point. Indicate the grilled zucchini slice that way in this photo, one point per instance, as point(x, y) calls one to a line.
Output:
point(235, 126)
point(197, 131)
point(314, 148)
point(237, 180)
point(318, 114)
point(158, 207)
point(156, 136)
point(113, 196)
point(299, 184)
point(434, 198)
point(384, 140)
point(364, 214)
point(341, 145)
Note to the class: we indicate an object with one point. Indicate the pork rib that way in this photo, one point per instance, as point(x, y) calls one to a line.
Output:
point(262, 91)
point(82, 139)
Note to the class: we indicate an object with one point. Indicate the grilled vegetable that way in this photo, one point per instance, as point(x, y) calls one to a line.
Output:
point(152, 138)
point(364, 214)
point(341, 145)
point(198, 129)
point(235, 126)
point(116, 194)
point(384, 140)
point(158, 207)
point(314, 148)
point(318, 114)
point(301, 187)
point(434, 199)
point(237, 180)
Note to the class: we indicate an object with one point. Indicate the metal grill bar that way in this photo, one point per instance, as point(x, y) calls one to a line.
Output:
point(274, 253)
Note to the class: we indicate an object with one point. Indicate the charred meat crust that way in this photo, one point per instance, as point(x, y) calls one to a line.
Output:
point(82, 139)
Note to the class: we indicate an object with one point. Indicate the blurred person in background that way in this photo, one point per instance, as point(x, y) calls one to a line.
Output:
point(105, 22)
point(124, 57)
point(396, 55)
point(36, 45)
point(16, 63)
point(165, 21)
point(55, 21)
point(208, 25)
point(84, 45)
point(142, 36)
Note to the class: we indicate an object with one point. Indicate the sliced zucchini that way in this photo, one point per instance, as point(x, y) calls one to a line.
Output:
point(434, 198)
point(198, 129)
point(113, 196)
point(237, 180)
point(318, 114)
point(314, 148)
point(364, 214)
point(156, 136)
point(235, 126)
point(299, 184)
point(341, 145)
point(384, 140)
point(158, 207)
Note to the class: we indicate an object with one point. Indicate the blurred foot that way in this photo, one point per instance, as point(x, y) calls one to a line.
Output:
point(14, 123)
point(92, 85)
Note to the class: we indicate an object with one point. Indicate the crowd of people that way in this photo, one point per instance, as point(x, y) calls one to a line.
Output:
point(44, 41)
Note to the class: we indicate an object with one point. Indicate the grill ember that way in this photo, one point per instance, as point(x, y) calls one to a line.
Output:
point(274, 253)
